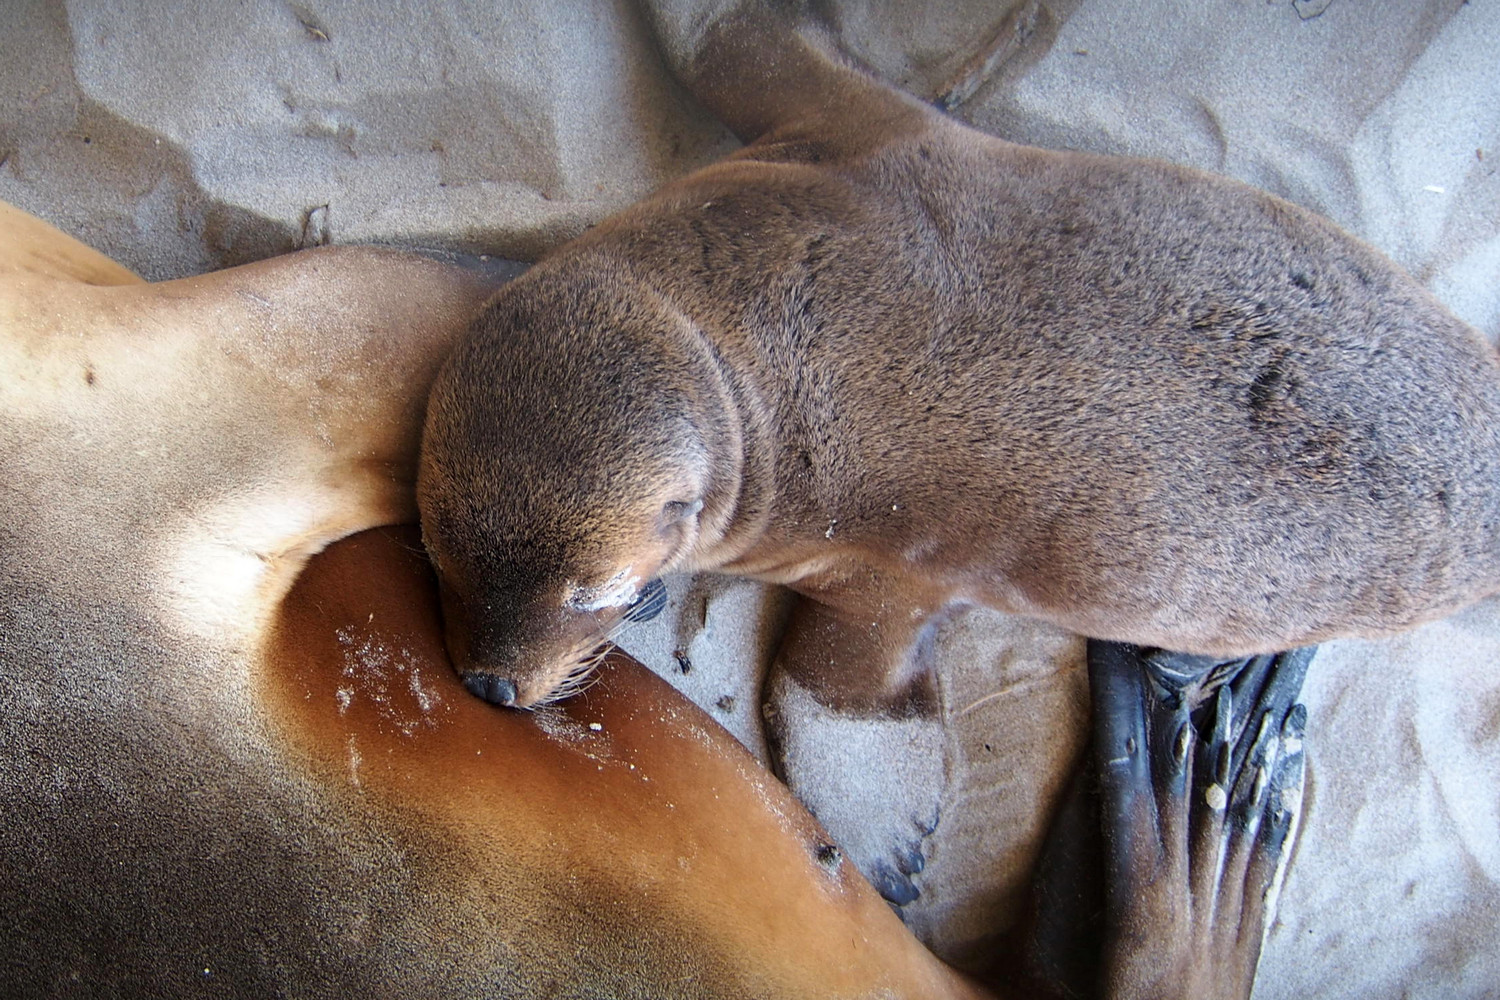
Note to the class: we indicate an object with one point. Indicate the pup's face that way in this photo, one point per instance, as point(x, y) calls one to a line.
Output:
point(527, 622)
point(553, 488)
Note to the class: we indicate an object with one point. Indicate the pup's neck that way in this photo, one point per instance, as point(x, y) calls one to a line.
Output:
point(741, 438)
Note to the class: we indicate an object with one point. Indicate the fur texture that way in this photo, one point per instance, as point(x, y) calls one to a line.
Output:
point(905, 366)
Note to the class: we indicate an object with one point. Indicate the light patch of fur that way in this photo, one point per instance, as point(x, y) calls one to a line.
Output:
point(616, 592)
point(226, 568)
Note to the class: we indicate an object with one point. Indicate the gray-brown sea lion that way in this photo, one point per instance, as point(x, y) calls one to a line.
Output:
point(899, 366)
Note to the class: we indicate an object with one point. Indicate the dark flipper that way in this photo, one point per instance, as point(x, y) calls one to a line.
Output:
point(1199, 773)
point(1195, 827)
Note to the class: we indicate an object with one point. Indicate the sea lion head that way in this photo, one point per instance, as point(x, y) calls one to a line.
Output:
point(573, 451)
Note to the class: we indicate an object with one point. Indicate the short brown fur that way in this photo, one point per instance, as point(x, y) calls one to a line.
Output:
point(906, 366)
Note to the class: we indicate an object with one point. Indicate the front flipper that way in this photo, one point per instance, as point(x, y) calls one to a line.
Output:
point(854, 726)
point(875, 783)
point(1195, 826)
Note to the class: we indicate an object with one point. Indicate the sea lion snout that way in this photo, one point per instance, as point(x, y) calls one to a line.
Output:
point(524, 675)
point(523, 660)
point(540, 653)
point(493, 689)
point(519, 638)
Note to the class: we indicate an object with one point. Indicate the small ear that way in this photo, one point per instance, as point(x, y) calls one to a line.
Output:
point(674, 511)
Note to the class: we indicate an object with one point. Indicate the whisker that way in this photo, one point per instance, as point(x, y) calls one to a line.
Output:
point(584, 673)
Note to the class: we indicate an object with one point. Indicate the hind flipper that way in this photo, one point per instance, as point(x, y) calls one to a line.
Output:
point(773, 75)
point(1196, 817)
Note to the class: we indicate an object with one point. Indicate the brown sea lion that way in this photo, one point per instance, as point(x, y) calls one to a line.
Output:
point(899, 366)
point(903, 367)
point(225, 767)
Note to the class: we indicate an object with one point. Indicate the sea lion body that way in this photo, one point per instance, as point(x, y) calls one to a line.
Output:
point(913, 366)
point(228, 763)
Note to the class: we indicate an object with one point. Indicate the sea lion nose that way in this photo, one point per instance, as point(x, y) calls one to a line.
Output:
point(496, 690)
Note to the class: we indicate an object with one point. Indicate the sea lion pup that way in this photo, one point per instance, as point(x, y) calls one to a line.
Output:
point(899, 366)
